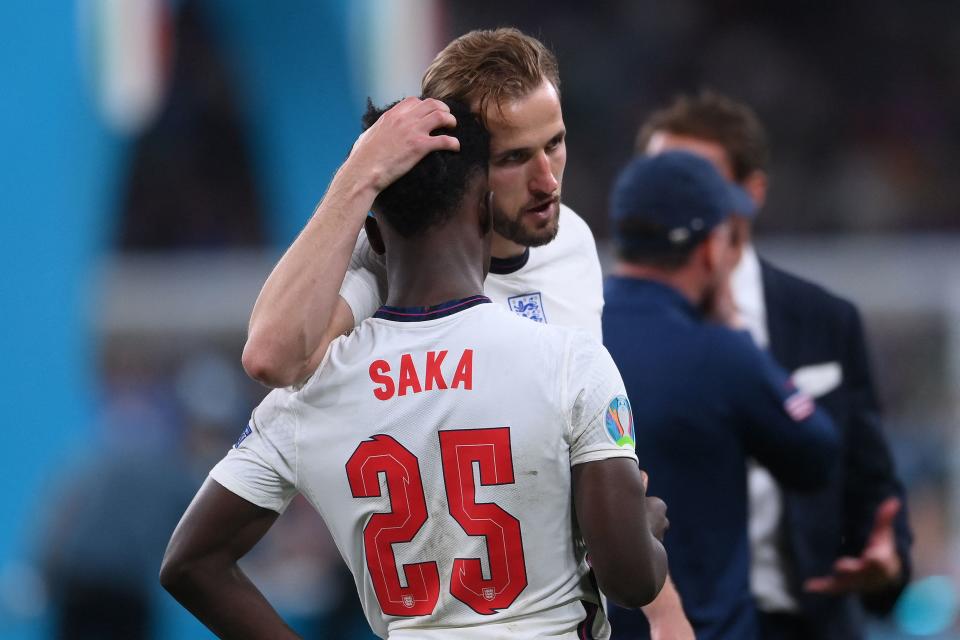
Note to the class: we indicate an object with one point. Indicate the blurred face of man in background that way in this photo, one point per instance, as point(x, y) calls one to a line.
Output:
point(722, 253)
point(527, 157)
point(662, 141)
point(755, 184)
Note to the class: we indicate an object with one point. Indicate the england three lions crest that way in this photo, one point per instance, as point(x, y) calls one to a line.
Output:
point(529, 305)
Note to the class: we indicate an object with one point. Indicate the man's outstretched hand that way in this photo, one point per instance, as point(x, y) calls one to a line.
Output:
point(877, 567)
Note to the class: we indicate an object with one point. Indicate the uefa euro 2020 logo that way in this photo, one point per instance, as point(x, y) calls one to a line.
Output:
point(619, 422)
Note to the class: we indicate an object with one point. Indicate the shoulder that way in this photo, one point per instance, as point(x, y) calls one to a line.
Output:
point(574, 238)
point(787, 289)
point(728, 351)
point(575, 228)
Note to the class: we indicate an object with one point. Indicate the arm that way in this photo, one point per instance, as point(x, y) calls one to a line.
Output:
point(666, 616)
point(781, 427)
point(876, 560)
point(200, 565)
point(298, 311)
point(610, 502)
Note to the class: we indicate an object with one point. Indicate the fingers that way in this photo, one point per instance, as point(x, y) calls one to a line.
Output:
point(657, 517)
point(439, 118)
point(826, 585)
point(849, 574)
point(399, 139)
point(832, 585)
point(848, 565)
point(421, 118)
point(886, 513)
point(643, 478)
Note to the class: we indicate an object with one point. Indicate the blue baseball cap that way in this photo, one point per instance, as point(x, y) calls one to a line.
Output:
point(672, 200)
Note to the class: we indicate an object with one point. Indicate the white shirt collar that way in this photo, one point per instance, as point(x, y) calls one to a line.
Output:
point(747, 287)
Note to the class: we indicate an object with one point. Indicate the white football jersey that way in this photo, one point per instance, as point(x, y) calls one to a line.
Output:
point(437, 445)
point(558, 283)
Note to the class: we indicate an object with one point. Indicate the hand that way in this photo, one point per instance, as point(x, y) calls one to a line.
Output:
point(400, 139)
point(721, 307)
point(876, 568)
point(656, 512)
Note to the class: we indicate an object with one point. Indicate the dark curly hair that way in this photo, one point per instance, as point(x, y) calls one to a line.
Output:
point(429, 194)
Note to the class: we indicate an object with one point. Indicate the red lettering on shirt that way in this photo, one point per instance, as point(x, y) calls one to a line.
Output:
point(408, 376)
point(464, 373)
point(378, 369)
point(434, 373)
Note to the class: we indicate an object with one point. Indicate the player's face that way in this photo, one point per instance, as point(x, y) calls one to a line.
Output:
point(662, 141)
point(527, 155)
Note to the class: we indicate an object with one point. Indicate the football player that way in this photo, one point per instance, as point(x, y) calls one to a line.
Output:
point(465, 459)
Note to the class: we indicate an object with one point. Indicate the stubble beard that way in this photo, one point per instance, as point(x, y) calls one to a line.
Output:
point(515, 230)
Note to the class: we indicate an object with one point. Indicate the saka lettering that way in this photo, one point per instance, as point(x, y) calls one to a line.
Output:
point(409, 377)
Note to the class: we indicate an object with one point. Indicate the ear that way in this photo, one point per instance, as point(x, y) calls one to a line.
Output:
point(373, 235)
point(755, 185)
point(486, 213)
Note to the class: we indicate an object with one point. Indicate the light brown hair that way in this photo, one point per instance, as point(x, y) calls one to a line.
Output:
point(714, 117)
point(490, 65)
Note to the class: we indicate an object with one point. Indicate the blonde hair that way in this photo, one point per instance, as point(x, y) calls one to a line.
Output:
point(490, 65)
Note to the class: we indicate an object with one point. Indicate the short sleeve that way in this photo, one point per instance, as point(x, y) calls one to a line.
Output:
point(261, 466)
point(364, 286)
point(601, 418)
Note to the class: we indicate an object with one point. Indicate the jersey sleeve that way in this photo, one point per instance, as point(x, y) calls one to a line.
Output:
point(601, 419)
point(364, 285)
point(262, 466)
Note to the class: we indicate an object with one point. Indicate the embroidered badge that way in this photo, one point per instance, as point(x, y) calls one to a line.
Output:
point(529, 305)
point(799, 406)
point(243, 436)
point(619, 421)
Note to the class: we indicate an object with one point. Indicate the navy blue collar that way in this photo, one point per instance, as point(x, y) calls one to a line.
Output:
point(419, 314)
point(503, 266)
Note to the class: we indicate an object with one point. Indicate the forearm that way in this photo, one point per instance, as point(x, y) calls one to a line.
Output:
point(295, 306)
point(666, 613)
point(612, 513)
point(225, 600)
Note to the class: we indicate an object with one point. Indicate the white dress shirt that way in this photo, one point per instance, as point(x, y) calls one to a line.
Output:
point(768, 570)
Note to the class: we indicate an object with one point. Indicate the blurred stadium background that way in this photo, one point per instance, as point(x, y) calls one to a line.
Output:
point(160, 154)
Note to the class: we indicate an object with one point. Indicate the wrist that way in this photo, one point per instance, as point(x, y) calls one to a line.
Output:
point(351, 192)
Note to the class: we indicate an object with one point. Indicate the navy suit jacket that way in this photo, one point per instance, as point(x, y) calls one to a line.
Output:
point(807, 326)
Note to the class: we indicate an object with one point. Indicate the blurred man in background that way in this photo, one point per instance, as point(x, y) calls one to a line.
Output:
point(706, 397)
point(815, 555)
point(544, 263)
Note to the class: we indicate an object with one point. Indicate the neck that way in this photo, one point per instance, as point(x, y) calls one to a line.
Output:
point(681, 279)
point(445, 264)
point(502, 248)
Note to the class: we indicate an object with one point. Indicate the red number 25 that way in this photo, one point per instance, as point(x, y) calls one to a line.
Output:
point(459, 450)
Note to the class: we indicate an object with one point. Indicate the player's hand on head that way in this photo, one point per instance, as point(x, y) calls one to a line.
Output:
point(400, 138)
